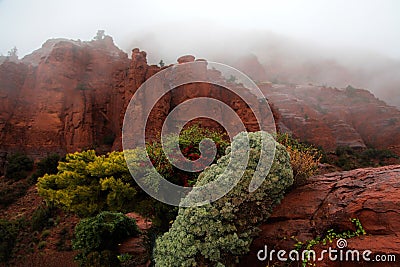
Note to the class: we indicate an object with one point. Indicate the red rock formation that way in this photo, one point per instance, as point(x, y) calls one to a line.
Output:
point(72, 95)
point(12, 77)
point(127, 82)
point(331, 117)
point(63, 99)
point(252, 67)
point(139, 71)
point(329, 201)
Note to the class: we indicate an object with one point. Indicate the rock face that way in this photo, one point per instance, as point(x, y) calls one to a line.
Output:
point(59, 100)
point(328, 202)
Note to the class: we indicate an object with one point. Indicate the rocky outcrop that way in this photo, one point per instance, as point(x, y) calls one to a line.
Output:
point(140, 71)
point(59, 103)
point(328, 202)
point(331, 117)
point(251, 67)
point(128, 80)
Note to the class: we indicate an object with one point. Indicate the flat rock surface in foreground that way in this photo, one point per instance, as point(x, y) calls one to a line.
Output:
point(329, 202)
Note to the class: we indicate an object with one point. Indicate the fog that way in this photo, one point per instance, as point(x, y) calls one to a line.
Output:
point(332, 43)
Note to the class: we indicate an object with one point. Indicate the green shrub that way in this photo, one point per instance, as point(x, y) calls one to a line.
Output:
point(189, 140)
point(47, 165)
point(124, 257)
point(10, 191)
point(379, 155)
point(350, 91)
point(97, 237)
point(42, 245)
point(219, 233)
point(40, 218)
point(18, 166)
point(103, 258)
point(8, 237)
point(45, 234)
point(64, 236)
point(350, 158)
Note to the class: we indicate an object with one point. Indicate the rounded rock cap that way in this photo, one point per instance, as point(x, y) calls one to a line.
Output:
point(185, 59)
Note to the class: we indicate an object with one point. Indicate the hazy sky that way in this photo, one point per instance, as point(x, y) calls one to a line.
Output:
point(358, 24)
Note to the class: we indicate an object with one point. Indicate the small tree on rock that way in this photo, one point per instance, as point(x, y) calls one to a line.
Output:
point(99, 35)
point(13, 54)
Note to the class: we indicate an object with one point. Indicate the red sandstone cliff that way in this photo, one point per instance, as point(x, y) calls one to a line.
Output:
point(72, 95)
point(58, 98)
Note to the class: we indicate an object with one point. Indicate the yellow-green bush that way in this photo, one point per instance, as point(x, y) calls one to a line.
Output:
point(87, 184)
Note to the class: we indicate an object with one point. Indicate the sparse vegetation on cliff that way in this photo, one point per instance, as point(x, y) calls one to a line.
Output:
point(348, 158)
point(97, 238)
point(18, 166)
point(8, 238)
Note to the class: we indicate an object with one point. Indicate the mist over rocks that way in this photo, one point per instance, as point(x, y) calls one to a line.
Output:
point(72, 95)
point(332, 117)
point(286, 59)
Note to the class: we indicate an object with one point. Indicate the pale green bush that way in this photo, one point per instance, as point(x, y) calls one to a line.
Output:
point(217, 234)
